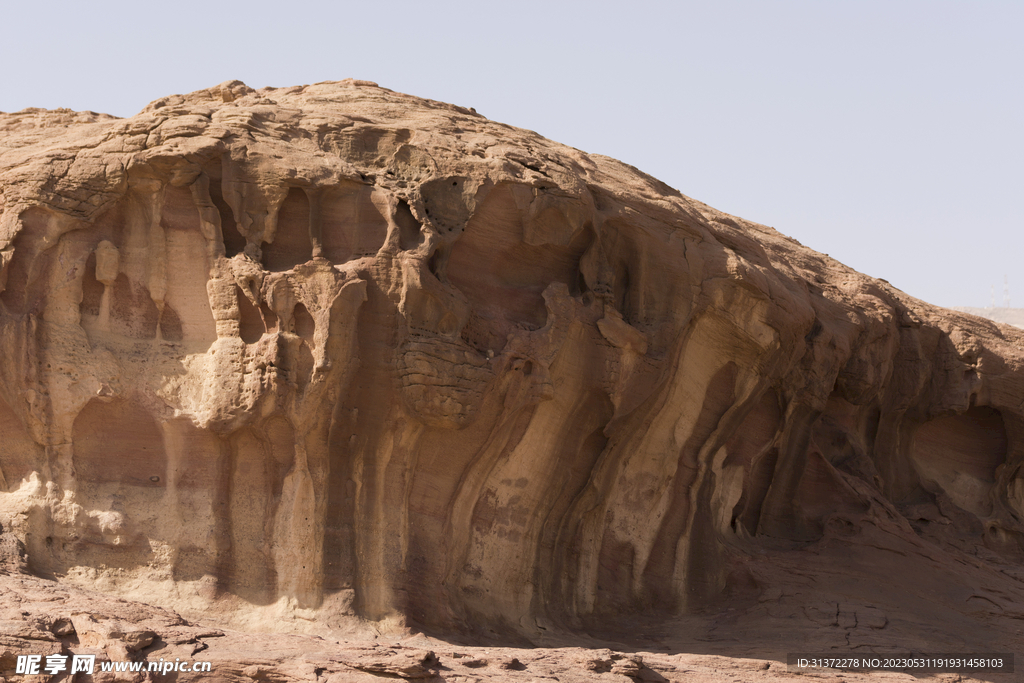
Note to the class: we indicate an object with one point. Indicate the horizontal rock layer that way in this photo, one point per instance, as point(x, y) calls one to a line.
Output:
point(290, 357)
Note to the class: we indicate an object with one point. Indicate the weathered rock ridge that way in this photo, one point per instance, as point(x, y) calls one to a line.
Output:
point(287, 357)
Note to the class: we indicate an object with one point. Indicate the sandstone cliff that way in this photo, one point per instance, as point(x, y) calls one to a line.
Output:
point(295, 359)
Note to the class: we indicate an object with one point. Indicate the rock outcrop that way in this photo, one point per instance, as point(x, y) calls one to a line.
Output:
point(1007, 316)
point(290, 359)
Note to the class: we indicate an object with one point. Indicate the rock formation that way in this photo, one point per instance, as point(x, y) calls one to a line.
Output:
point(291, 359)
point(1007, 316)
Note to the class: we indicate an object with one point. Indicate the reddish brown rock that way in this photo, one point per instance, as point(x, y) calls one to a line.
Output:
point(332, 359)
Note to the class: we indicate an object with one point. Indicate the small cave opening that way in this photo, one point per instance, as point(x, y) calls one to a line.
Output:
point(234, 240)
point(492, 261)
point(292, 244)
point(31, 259)
point(303, 322)
point(270, 319)
point(581, 284)
point(436, 262)
point(621, 293)
point(92, 289)
point(351, 224)
point(813, 333)
point(250, 324)
point(170, 325)
point(578, 247)
point(303, 370)
point(409, 229)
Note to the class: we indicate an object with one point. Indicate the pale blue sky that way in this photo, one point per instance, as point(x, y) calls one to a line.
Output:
point(885, 133)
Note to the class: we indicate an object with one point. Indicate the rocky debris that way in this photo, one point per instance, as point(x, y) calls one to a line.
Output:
point(332, 360)
point(410, 665)
point(512, 665)
point(121, 631)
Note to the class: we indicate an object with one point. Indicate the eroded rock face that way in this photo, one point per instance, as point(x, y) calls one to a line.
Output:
point(333, 351)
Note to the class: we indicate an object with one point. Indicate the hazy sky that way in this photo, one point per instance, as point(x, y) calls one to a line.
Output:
point(889, 134)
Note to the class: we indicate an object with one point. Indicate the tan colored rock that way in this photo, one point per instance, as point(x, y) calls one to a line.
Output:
point(1007, 316)
point(330, 358)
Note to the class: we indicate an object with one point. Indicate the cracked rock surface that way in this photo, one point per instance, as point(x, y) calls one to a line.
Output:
point(331, 361)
